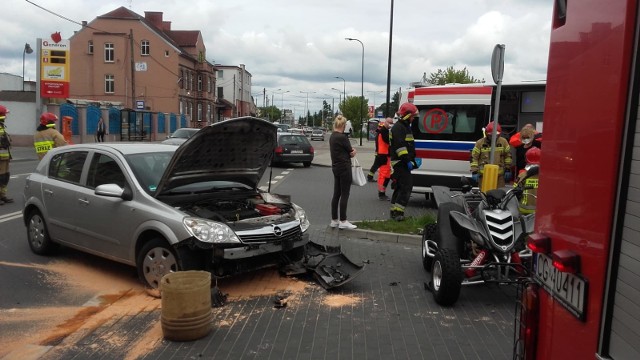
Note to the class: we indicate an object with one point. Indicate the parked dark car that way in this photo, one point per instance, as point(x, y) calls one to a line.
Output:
point(293, 148)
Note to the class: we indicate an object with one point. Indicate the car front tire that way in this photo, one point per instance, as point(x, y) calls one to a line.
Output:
point(38, 234)
point(155, 260)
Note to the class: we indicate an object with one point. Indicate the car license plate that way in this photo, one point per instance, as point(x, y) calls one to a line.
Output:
point(570, 290)
point(296, 151)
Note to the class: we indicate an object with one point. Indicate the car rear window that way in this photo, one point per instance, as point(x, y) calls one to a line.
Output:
point(293, 139)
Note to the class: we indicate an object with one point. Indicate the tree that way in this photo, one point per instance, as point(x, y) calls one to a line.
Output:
point(352, 108)
point(271, 113)
point(451, 75)
point(393, 107)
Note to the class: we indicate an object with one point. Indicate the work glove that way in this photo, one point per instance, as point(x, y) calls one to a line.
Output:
point(475, 177)
point(507, 176)
point(410, 165)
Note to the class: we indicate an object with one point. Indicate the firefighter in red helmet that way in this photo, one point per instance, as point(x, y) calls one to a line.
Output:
point(46, 136)
point(402, 151)
point(481, 154)
point(5, 157)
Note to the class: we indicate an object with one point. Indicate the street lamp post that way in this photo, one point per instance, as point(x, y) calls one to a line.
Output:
point(361, 86)
point(27, 50)
point(339, 96)
point(307, 105)
point(374, 99)
point(344, 87)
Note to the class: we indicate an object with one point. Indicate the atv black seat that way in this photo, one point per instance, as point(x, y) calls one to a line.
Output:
point(495, 196)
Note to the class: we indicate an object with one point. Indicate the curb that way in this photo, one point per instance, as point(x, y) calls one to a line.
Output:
point(378, 235)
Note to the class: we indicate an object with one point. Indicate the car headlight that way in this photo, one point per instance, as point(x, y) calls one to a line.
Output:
point(210, 231)
point(302, 216)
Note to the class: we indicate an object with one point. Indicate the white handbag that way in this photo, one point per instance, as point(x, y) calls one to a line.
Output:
point(357, 175)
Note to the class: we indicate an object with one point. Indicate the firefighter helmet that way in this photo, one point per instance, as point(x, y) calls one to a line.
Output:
point(533, 155)
point(489, 129)
point(3, 112)
point(407, 110)
point(48, 119)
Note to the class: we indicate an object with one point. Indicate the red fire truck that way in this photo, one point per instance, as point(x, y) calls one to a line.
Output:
point(584, 298)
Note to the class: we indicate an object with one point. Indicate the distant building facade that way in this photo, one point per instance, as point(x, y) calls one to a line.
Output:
point(234, 87)
point(168, 72)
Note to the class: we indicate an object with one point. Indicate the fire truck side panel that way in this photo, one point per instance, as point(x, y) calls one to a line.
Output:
point(584, 126)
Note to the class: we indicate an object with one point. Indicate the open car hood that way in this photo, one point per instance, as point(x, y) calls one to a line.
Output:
point(239, 150)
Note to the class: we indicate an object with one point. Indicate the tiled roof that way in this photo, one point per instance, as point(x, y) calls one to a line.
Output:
point(184, 37)
point(122, 13)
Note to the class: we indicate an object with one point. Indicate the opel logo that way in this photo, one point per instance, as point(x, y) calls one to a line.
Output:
point(277, 231)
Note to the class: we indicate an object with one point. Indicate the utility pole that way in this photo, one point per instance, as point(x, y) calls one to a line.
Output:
point(133, 72)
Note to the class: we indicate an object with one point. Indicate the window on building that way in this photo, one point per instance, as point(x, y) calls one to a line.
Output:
point(199, 111)
point(109, 84)
point(109, 52)
point(199, 82)
point(144, 47)
point(90, 47)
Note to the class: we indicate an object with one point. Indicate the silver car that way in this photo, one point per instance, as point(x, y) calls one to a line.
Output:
point(179, 136)
point(165, 208)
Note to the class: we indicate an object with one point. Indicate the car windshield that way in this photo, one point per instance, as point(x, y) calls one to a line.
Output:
point(183, 133)
point(149, 167)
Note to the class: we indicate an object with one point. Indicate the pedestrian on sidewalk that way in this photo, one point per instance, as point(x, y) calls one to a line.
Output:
point(46, 136)
point(101, 130)
point(5, 157)
point(341, 154)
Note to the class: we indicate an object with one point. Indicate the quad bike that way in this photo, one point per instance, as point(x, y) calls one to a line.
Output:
point(478, 238)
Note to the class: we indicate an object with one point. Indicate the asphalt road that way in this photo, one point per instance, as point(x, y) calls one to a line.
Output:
point(47, 303)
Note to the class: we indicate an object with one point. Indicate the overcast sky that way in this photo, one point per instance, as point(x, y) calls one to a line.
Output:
point(299, 45)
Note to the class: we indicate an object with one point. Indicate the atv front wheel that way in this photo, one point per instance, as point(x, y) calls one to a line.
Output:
point(428, 233)
point(446, 277)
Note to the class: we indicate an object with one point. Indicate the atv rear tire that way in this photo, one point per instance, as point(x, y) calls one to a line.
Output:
point(446, 277)
point(428, 233)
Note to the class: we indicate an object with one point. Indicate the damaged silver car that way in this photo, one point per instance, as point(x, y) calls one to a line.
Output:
point(163, 208)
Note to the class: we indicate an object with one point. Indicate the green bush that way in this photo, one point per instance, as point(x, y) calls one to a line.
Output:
point(410, 225)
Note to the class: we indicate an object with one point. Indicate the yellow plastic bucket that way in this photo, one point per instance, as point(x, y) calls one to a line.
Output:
point(186, 305)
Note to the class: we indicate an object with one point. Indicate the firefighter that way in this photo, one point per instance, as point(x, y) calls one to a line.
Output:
point(527, 203)
point(402, 151)
point(481, 154)
point(382, 149)
point(5, 157)
point(46, 136)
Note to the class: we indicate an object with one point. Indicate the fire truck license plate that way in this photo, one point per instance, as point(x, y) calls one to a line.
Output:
point(567, 288)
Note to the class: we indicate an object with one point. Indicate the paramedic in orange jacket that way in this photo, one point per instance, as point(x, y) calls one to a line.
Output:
point(382, 146)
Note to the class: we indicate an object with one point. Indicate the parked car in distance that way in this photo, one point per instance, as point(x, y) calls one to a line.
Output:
point(179, 136)
point(317, 134)
point(164, 208)
point(293, 148)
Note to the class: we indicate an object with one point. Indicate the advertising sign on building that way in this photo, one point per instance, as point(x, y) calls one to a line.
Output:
point(54, 67)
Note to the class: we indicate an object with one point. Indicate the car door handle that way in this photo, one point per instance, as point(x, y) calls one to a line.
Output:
point(83, 201)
